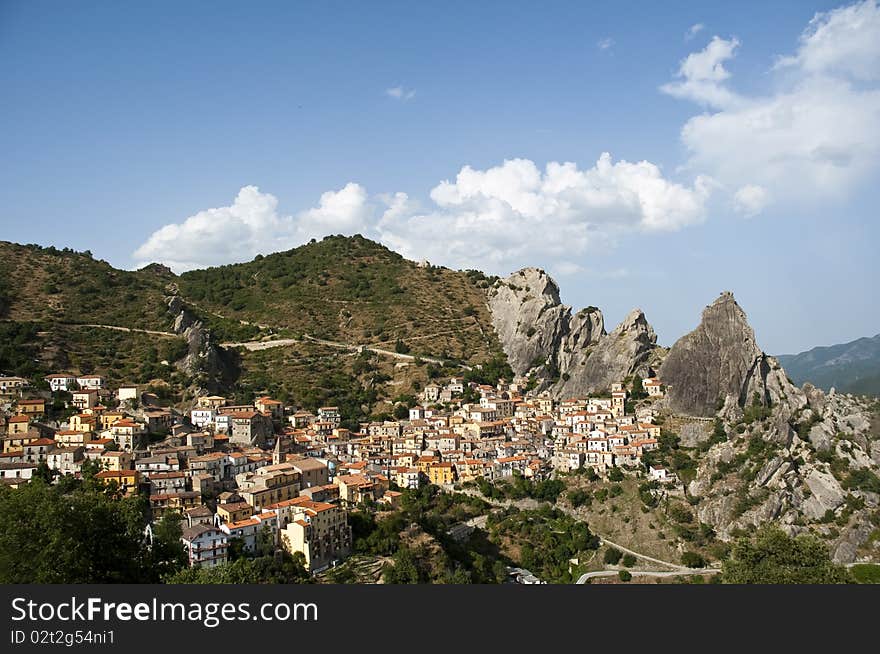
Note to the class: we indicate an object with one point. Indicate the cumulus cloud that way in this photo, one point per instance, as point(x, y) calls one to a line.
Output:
point(251, 225)
point(400, 93)
point(845, 40)
point(693, 30)
point(604, 44)
point(815, 134)
point(514, 213)
point(702, 75)
point(496, 219)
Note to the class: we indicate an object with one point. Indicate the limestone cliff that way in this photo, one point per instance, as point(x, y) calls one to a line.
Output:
point(572, 354)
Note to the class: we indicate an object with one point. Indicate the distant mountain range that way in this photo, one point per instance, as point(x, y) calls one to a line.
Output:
point(852, 367)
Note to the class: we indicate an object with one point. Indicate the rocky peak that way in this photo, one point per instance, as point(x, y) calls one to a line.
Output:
point(719, 366)
point(528, 317)
point(609, 357)
point(572, 353)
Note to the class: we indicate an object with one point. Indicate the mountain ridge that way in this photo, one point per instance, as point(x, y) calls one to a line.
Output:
point(848, 367)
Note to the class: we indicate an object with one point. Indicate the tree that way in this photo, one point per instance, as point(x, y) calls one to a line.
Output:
point(167, 553)
point(612, 556)
point(262, 570)
point(401, 412)
point(774, 557)
point(628, 560)
point(615, 474)
point(72, 534)
point(638, 389)
point(624, 575)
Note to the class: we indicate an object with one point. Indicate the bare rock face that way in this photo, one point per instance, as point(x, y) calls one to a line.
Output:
point(204, 360)
point(720, 366)
point(573, 353)
point(621, 353)
point(529, 318)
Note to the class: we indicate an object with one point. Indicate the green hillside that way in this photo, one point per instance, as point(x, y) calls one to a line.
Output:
point(50, 285)
point(57, 308)
point(356, 291)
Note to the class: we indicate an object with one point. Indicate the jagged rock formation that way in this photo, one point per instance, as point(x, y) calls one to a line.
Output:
point(767, 472)
point(719, 366)
point(205, 361)
point(529, 319)
point(573, 354)
point(623, 352)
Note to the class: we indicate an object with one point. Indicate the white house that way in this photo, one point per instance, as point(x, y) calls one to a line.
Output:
point(61, 382)
point(127, 393)
point(658, 473)
point(90, 381)
point(205, 545)
point(202, 418)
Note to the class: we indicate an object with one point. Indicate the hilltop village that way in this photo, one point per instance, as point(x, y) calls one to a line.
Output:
point(268, 473)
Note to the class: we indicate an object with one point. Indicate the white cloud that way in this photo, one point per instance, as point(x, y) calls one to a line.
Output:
point(515, 213)
point(845, 40)
point(400, 93)
point(703, 74)
point(814, 135)
point(693, 30)
point(251, 225)
point(339, 212)
point(750, 200)
point(604, 44)
point(496, 219)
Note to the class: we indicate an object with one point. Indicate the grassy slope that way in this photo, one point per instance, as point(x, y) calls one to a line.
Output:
point(49, 285)
point(346, 289)
point(356, 291)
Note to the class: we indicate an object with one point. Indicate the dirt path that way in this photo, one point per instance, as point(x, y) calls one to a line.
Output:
point(253, 346)
point(152, 332)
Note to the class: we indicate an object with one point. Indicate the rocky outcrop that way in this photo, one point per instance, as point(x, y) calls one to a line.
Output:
point(719, 366)
point(206, 362)
point(529, 319)
point(623, 352)
point(572, 353)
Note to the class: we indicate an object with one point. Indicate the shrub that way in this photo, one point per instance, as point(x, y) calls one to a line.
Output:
point(612, 556)
point(693, 560)
point(624, 575)
point(615, 474)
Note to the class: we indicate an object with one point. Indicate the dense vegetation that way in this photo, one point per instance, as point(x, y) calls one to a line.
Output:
point(77, 532)
point(417, 539)
point(773, 557)
point(545, 540)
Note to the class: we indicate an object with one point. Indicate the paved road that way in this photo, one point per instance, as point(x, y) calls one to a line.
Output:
point(646, 573)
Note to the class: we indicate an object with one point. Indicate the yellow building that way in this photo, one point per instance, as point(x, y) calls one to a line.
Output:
point(32, 407)
point(18, 425)
point(115, 461)
point(126, 480)
point(320, 531)
point(106, 420)
point(441, 473)
point(83, 422)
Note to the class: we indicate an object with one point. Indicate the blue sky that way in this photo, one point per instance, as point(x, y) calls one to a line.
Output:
point(760, 175)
